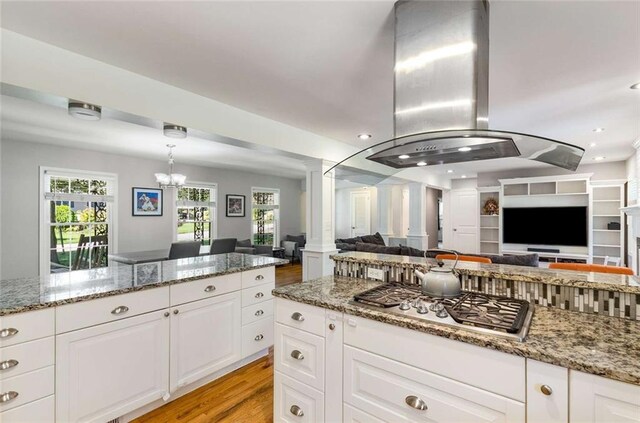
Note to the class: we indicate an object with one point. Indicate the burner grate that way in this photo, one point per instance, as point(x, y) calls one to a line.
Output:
point(490, 311)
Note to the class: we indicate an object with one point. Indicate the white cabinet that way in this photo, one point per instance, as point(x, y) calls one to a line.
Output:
point(594, 399)
point(547, 393)
point(40, 411)
point(105, 371)
point(205, 337)
point(296, 402)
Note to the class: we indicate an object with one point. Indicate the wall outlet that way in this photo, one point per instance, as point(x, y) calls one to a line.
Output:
point(375, 274)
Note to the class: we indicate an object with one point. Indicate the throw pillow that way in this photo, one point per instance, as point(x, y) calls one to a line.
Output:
point(378, 249)
point(374, 239)
point(349, 240)
point(243, 243)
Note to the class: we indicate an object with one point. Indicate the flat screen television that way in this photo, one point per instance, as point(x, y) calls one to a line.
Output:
point(565, 226)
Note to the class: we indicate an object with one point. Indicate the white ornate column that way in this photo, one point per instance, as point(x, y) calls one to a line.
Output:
point(320, 221)
point(417, 236)
point(385, 211)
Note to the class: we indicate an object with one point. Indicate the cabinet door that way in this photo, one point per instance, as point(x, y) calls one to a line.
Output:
point(594, 399)
point(105, 371)
point(547, 393)
point(205, 337)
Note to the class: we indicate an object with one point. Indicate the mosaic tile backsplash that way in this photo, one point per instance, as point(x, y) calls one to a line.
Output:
point(596, 301)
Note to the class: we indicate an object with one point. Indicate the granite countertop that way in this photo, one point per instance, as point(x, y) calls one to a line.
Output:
point(26, 294)
point(600, 345)
point(606, 281)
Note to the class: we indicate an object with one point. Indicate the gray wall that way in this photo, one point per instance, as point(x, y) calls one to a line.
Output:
point(432, 216)
point(19, 169)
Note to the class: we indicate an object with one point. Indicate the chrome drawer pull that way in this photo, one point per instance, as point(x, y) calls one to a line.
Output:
point(8, 396)
point(259, 337)
point(546, 390)
point(259, 313)
point(210, 288)
point(298, 317)
point(259, 277)
point(5, 333)
point(296, 411)
point(415, 402)
point(7, 364)
point(259, 295)
point(120, 310)
point(297, 355)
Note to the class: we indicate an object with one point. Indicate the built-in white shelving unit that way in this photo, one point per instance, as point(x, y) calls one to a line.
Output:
point(489, 224)
point(607, 236)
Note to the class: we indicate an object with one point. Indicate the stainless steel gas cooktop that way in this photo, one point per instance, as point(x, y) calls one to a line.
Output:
point(488, 314)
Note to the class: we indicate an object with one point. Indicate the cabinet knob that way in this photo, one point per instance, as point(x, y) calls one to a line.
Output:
point(176, 311)
point(296, 411)
point(8, 396)
point(7, 364)
point(415, 402)
point(546, 390)
point(332, 326)
point(166, 314)
point(210, 288)
point(297, 355)
point(259, 313)
point(259, 277)
point(120, 310)
point(297, 317)
point(5, 333)
point(259, 295)
point(259, 337)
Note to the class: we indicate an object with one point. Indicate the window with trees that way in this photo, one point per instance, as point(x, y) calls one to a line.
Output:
point(265, 216)
point(77, 209)
point(196, 213)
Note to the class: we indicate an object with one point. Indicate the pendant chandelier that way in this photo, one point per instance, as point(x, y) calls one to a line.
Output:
point(170, 180)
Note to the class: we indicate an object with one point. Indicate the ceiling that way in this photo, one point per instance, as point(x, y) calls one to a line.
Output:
point(557, 69)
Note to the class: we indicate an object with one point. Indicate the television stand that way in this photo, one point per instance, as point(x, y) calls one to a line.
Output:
point(546, 258)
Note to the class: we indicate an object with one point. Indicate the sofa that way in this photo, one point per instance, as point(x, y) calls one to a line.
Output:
point(244, 246)
point(375, 244)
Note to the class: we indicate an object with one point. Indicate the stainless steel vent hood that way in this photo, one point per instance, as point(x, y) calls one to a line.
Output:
point(442, 98)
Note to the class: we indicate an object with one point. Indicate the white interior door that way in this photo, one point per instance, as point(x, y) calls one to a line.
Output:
point(360, 213)
point(464, 218)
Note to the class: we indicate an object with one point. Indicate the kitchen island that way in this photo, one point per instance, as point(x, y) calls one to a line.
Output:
point(118, 341)
point(381, 366)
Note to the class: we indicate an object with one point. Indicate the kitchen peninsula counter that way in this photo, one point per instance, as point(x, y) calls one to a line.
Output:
point(28, 294)
point(595, 344)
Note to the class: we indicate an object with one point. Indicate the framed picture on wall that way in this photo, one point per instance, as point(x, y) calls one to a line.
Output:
point(146, 201)
point(235, 205)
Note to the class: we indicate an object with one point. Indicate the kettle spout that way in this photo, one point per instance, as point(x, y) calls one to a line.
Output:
point(419, 274)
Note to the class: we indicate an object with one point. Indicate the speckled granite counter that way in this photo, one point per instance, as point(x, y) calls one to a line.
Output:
point(599, 345)
point(20, 295)
point(589, 280)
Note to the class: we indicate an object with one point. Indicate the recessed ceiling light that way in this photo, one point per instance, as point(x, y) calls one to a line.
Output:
point(84, 111)
point(364, 136)
point(593, 144)
point(421, 164)
point(463, 176)
point(174, 131)
point(599, 158)
point(450, 171)
point(464, 149)
point(635, 86)
point(598, 130)
point(403, 156)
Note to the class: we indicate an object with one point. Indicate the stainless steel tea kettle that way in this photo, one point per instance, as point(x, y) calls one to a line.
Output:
point(440, 281)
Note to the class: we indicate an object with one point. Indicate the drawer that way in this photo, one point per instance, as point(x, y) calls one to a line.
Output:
point(23, 327)
point(257, 294)
point(29, 387)
point(40, 411)
point(256, 277)
point(547, 393)
point(26, 357)
point(354, 415)
point(300, 316)
point(255, 312)
point(296, 402)
point(256, 337)
point(300, 355)
point(94, 312)
point(394, 391)
point(204, 288)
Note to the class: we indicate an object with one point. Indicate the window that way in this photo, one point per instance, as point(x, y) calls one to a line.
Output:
point(196, 213)
point(78, 223)
point(265, 216)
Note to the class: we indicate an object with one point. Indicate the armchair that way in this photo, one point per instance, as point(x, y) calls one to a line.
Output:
point(292, 245)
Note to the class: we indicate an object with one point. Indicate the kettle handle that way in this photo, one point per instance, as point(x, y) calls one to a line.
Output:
point(435, 250)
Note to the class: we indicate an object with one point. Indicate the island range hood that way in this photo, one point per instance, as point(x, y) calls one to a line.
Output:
point(442, 98)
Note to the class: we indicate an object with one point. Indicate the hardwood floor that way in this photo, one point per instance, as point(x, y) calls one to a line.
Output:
point(245, 395)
